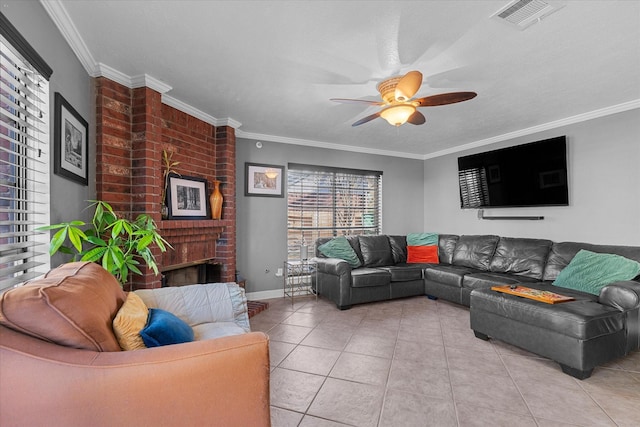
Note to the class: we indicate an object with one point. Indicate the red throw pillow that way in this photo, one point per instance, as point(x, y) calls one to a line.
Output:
point(422, 254)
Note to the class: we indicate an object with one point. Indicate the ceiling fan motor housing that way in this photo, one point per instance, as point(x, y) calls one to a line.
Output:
point(387, 89)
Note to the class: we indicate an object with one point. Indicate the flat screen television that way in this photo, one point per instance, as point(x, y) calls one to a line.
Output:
point(533, 174)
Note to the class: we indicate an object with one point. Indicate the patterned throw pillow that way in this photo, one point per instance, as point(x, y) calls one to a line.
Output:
point(591, 271)
point(340, 248)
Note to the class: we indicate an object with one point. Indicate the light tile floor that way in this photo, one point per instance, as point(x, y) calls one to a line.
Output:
point(416, 362)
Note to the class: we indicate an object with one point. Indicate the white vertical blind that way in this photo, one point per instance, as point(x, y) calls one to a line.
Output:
point(327, 202)
point(24, 167)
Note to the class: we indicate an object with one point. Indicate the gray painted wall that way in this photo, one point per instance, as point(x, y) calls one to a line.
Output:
point(604, 188)
point(68, 199)
point(262, 221)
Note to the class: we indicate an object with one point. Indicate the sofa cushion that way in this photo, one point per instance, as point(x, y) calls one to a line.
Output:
point(590, 272)
point(398, 248)
point(447, 274)
point(201, 303)
point(422, 254)
point(129, 321)
point(487, 280)
point(376, 251)
point(525, 257)
point(404, 273)
point(475, 251)
point(369, 277)
point(341, 248)
point(446, 247)
point(164, 328)
point(73, 305)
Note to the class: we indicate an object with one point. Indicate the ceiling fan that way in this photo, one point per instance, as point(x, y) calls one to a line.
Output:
point(399, 107)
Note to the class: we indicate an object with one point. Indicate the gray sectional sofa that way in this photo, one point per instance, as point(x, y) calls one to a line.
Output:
point(579, 334)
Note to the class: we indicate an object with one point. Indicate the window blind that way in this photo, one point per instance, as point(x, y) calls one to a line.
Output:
point(328, 202)
point(24, 161)
point(474, 190)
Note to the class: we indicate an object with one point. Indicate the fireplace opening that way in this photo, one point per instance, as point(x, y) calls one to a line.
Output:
point(201, 272)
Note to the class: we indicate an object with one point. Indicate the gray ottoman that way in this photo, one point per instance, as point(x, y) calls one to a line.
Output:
point(579, 335)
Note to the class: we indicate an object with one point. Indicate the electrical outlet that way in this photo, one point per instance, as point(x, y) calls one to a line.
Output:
point(279, 272)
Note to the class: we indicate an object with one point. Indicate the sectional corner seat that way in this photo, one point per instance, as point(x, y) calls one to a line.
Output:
point(579, 334)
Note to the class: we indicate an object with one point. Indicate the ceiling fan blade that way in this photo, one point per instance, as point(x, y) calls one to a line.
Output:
point(408, 86)
point(356, 101)
point(367, 119)
point(417, 118)
point(445, 98)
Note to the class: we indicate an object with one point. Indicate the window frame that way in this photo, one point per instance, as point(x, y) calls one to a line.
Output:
point(368, 207)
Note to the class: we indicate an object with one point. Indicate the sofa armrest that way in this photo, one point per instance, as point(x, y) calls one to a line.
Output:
point(223, 381)
point(334, 266)
point(623, 295)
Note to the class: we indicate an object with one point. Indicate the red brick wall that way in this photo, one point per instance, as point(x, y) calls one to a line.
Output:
point(133, 128)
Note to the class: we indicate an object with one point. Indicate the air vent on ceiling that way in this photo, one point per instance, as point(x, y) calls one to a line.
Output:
point(523, 13)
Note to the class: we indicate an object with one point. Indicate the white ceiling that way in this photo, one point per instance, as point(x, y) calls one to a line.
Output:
point(271, 66)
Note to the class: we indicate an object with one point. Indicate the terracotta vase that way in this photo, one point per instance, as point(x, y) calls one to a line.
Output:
point(216, 201)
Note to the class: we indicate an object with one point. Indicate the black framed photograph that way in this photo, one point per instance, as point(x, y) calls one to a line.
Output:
point(70, 139)
point(187, 197)
point(263, 180)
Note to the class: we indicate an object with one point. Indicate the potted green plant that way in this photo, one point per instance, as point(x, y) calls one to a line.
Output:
point(116, 243)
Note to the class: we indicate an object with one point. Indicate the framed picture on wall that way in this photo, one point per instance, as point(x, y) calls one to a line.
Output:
point(70, 139)
point(263, 180)
point(187, 197)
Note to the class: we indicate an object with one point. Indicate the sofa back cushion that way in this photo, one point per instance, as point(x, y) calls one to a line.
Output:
point(446, 247)
point(376, 251)
point(475, 251)
point(523, 257)
point(73, 305)
point(562, 253)
point(398, 248)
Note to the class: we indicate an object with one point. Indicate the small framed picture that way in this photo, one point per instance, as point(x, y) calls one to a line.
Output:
point(70, 138)
point(263, 180)
point(187, 197)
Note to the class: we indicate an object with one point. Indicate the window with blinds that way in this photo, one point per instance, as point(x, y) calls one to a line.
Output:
point(474, 190)
point(328, 202)
point(24, 159)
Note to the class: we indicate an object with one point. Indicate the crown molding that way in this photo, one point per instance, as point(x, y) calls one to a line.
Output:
point(186, 108)
point(63, 21)
point(145, 80)
point(603, 112)
point(327, 145)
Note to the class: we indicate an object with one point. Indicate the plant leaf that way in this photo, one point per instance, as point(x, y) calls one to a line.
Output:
point(57, 240)
point(94, 254)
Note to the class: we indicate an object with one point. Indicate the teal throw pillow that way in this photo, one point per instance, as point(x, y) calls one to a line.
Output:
point(590, 271)
point(422, 239)
point(164, 328)
point(340, 248)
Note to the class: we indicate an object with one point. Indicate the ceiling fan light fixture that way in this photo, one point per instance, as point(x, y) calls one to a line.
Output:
point(398, 114)
point(271, 173)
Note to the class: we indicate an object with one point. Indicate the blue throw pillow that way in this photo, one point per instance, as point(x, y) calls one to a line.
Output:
point(164, 328)
point(591, 271)
point(340, 248)
point(422, 239)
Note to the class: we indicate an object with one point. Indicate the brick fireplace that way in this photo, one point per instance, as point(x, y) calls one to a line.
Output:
point(133, 127)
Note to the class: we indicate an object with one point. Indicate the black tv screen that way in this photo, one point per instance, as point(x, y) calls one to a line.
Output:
point(533, 174)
